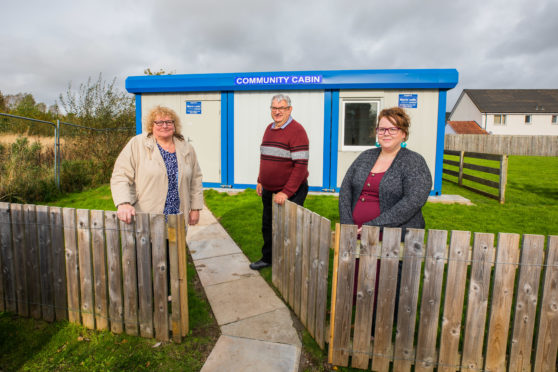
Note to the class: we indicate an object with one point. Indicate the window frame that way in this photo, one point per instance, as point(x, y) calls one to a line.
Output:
point(502, 120)
point(343, 102)
point(554, 120)
point(528, 119)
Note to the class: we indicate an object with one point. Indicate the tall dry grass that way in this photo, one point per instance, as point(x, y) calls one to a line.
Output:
point(27, 165)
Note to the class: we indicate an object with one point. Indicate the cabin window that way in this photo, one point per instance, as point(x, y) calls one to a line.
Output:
point(359, 123)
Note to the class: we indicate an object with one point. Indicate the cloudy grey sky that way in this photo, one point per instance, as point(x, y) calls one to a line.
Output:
point(493, 44)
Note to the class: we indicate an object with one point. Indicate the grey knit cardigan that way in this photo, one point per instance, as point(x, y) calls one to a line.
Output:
point(404, 189)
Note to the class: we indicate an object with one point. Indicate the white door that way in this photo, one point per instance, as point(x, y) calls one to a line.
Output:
point(251, 117)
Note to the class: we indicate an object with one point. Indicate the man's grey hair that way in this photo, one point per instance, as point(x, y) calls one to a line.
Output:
point(281, 97)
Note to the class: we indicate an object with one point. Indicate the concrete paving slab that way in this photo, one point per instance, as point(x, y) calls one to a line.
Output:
point(246, 355)
point(206, 232)
point(449, 199)
point(242, 299)
point(275, 326)
point(206, 217)
point(216, 270)
point(200, 249)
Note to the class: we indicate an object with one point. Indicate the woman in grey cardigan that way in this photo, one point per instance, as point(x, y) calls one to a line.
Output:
point(386, 186)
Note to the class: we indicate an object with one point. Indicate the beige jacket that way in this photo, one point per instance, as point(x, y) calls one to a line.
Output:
point(140, 177)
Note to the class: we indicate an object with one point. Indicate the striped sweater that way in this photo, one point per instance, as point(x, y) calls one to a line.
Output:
point(284, 158)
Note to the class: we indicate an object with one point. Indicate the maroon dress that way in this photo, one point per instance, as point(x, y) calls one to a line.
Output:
point(368, 205)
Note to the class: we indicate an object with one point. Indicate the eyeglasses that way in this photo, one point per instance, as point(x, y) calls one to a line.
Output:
point(160, 123)
point(285, 108)
point(383, 131)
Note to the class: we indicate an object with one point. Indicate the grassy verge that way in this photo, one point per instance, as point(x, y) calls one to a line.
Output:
point(27, 344)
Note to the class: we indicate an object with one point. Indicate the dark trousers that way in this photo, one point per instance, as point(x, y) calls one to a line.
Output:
point(267, 199)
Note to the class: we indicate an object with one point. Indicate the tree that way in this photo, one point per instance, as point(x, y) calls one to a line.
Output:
point(98, 104)
point(148, 71)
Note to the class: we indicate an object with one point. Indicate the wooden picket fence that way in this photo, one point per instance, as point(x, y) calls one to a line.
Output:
point(88, 267)
point(458, 308)
point(301, 246)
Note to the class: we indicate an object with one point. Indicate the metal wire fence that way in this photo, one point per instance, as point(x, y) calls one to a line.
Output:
point(57, 127)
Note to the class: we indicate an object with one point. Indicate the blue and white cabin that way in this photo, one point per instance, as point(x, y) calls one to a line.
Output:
point(224, 116)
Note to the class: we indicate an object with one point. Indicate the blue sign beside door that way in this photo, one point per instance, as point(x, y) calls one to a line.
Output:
point(193, 107)
point(408, 100)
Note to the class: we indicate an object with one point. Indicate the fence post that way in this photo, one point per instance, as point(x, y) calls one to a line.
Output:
point(461, 161)
point(503, 178)
point(57, 154)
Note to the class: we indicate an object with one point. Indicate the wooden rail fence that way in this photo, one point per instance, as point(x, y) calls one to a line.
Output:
point(479, 309)
point(88, 267)
point(301, 246)
point(501, 171)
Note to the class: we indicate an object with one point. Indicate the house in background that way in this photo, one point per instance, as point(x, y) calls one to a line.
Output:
point(509, 111)
point(464, 127)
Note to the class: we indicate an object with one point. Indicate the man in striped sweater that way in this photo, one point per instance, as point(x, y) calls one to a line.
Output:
point(283, 168)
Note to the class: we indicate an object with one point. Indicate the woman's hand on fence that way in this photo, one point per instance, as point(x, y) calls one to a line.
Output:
point(125, 212)
point(193, 217)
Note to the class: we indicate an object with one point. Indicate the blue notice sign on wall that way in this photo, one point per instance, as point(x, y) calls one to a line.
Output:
point(408, 100)
point(193, 107)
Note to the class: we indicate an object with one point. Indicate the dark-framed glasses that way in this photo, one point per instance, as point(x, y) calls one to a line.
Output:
point(160, 123)
point(284, 108)
point(392, 130)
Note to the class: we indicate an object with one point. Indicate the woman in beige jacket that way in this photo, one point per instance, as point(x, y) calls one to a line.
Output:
point(158, 171)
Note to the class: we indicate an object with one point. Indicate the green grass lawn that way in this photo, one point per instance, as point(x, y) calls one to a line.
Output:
point(530, 208)
point(31, 345)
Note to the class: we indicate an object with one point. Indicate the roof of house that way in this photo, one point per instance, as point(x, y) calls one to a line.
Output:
point(514, 100)
point(466, 127)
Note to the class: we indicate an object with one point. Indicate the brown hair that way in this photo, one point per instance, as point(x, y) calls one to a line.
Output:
point(159, 111)
point(398, 117)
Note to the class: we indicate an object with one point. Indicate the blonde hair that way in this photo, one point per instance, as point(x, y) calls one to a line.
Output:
point(159, 111)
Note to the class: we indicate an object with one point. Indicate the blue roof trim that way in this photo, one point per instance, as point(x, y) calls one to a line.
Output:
point(334, 79)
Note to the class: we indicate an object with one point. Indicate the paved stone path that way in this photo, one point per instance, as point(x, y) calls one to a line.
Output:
point(257, 332)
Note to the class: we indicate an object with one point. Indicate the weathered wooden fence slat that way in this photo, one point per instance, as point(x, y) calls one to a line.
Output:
point(7, 260)
point(85, 268)
point(367, 266)
point(99, 269)
point(305, 267)
point(129, 277)
point(114, 272)
point(72, 271)
point(387, 291)
point(431, 300)
point(472, 358)
point(160, 278)
point(90, 268)
point(313, 232)
point(507, 257)
point(277, 251)
point(58, 263)
point(45, 263)
point(547, 342)
point(18, 235)
point(297, 282)
point(532, 256)
point(145, 290)
point(31, 247)
point(453, 302)
point(344, 295)
point(408, 300)
point(322, 279)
